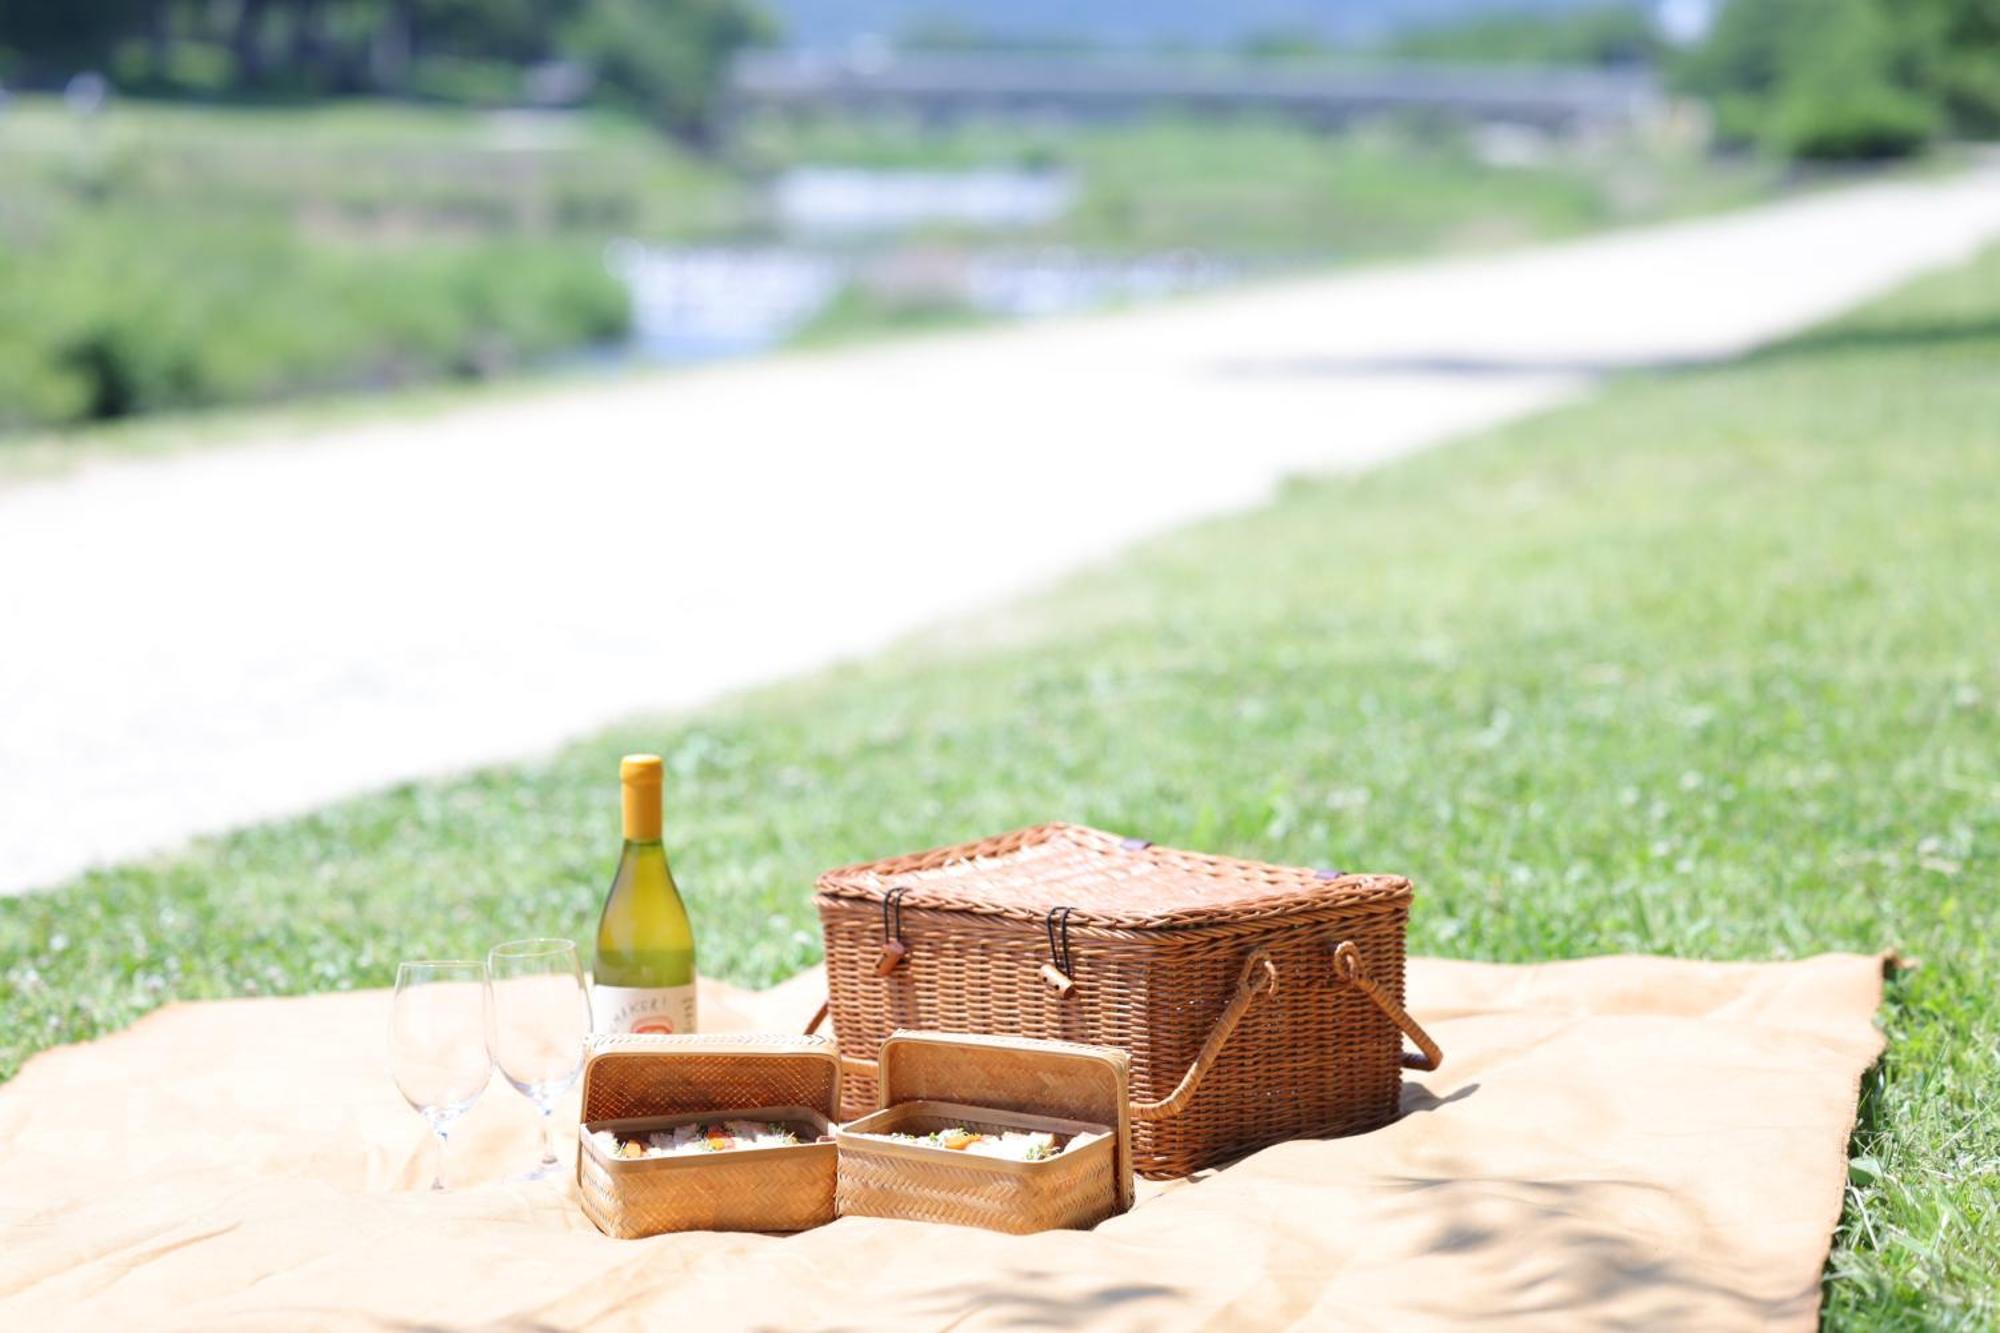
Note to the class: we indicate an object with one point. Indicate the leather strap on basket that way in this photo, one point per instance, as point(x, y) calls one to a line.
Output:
point(893, 948)
point(1258, 978)
point(1347, 966)
point(1059, 972)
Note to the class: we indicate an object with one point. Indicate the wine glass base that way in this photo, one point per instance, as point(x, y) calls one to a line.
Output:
point(542, 1171)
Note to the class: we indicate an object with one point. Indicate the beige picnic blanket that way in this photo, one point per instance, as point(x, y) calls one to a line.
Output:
point(1615, 1141)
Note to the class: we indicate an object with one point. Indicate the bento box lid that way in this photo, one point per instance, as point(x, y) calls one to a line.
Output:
point(632, 1075)
point(1096, 878)
point(1061, 1079)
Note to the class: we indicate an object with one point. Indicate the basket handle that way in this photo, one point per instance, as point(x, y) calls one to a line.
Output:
point(1259, 977)
point(1347, 965)
point(850, 1066)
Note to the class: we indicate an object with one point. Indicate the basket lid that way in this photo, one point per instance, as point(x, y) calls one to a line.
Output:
point(642, 1075)
point(1103, 879)
point(1031, 1075)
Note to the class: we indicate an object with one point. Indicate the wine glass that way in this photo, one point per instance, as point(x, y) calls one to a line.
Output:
point(437, 1044)
point(537, 1021)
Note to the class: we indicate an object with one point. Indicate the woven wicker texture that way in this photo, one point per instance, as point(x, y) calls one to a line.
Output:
point(1106, 879)
point(752, 1189)
point(1083, 1084)
point(629, 1076)
point(1074, 1190)
point(637, 1083)
point(982, 944)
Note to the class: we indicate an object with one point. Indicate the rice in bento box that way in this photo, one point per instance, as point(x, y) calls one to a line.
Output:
point(719, 1136)
point(1011, 1134)
point(1008, 1145)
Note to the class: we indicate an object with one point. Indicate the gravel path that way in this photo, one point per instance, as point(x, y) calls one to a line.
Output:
point(197, 643)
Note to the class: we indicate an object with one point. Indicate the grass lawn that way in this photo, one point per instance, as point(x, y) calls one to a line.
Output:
point(367, 171)
point(1704, 667)
point(155, 258)
point(1250, 188)
point(161, 258)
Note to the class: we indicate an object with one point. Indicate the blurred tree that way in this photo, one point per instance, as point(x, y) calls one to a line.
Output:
point(1611, 34)
point(1285, 44)
point(1845, 90)
point(668, 58)
point(52, 39)
point(1850, 78)
point(1958, 45)
point(946, 32)
point(665, 56)
point(513, 30)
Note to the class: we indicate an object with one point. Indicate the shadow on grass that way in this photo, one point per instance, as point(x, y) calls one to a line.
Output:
point(1469, 367)
point(1866, 338)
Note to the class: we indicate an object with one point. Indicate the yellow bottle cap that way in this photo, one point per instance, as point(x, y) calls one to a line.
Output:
point(640, 775)
point(639, 768)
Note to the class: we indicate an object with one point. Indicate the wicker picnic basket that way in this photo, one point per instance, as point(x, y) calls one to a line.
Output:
point(632, 1084)
point(937, 1080)
point(1259, 1003)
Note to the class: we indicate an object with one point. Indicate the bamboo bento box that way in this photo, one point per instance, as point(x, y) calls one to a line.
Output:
point(634, 1084)
point(936, 1080)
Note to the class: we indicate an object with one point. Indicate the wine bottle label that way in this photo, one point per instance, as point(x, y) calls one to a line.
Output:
point(617, 1009)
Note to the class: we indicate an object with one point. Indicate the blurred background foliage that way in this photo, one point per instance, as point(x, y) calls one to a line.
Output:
point(1836, 78)
point(1849, 78)
point(155, 258)
point(665, 58)
point(213, 202)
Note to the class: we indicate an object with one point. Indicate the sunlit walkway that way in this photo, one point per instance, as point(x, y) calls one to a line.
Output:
point(194, 644)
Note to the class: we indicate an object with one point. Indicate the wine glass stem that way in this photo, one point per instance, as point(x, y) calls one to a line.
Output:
point(548, 1149)
point(437, 1159)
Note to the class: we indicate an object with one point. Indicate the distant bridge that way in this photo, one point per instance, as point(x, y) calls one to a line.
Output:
point(945, 87)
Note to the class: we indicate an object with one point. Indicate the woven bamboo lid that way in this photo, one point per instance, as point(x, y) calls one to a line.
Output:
point(1060, 1079)
point(1103, 879)
point(630, 1076)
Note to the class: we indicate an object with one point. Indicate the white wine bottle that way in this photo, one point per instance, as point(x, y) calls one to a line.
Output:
point(644, 980)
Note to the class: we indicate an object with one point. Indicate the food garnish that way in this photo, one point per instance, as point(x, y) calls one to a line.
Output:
point(682, 1140)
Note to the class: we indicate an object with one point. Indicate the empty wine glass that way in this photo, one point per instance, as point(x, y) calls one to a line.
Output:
point(437, 1044)
point(538, 1019)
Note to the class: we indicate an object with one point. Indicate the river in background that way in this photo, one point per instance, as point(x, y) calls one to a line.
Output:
point(879, 238)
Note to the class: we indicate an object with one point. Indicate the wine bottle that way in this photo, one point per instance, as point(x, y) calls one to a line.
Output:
point(644, 979)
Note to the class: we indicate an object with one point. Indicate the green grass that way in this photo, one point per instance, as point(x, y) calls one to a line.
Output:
point(365, 172)
point(858, 315)
point(293, 265)
point(166, 258)
point(1251, 188)
point(1706, 667)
